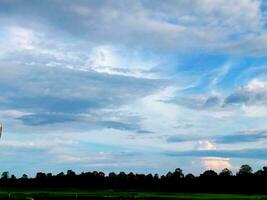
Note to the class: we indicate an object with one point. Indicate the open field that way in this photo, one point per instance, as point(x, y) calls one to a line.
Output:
point(114, 195)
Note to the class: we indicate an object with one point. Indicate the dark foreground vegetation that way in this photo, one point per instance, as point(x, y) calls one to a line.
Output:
point(244, 182)
point(122, 195)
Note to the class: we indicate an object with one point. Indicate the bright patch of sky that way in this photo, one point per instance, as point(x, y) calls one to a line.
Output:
point(143, 86)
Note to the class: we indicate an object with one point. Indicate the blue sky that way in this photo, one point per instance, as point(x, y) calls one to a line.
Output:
point(143, 86)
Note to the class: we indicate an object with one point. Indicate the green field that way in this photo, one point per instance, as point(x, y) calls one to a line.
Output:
point(104, 195)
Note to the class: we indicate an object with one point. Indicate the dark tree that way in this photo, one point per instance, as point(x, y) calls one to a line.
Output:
point(258, 173)
point(40, 175)
point(178, 173)
point(169, 175)
point(101, 174)
point(156, 176)
point(13, 177)
point(5, 175)
point(189, 176)
point(245, 170)
point(122, 175)
point(209, 182)
point(209, 173)
point(264, 171)
point(70, 173)
point(112, 175)
point(61, 174)
point(225, 172)
point(24, 176)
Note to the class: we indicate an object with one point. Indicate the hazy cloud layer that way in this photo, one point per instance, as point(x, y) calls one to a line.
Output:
point(244, 153)
point(235, 26)
point(238, 137)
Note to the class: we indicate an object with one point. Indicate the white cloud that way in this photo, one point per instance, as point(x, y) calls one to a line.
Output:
point(156, 25)
point(119, 61)
point(96, 159)
point(216, 163)
point(255, 85)
point(254, 111)
point(4, 114)
point(205, 145)
point(37, 144)
point(254, 93)
point(101, 156)
point(22, 38)
point(103, 56)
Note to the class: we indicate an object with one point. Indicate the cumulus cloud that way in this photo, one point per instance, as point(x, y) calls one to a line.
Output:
point(216, 163)
point(255, 92)
point(250, 98)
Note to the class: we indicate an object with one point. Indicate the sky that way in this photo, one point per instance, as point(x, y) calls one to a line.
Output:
point(133, 85)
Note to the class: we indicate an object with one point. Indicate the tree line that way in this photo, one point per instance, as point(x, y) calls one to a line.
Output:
point(244, 181)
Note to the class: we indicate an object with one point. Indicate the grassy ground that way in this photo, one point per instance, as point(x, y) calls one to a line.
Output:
point(111, 195)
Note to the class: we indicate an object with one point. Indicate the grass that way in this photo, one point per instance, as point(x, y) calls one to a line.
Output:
point(104, 195)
